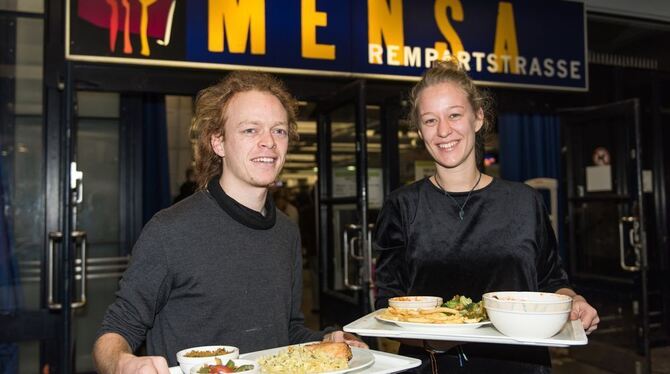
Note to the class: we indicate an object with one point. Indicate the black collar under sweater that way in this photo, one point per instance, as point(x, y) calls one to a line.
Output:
point(241, 213)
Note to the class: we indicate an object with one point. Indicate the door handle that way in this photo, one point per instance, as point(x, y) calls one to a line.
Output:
point(55, 236)
point(632, 240)
point(354, 244)
point(345, 257)
point(76, 183)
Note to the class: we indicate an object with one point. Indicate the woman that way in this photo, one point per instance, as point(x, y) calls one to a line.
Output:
point(464, 232)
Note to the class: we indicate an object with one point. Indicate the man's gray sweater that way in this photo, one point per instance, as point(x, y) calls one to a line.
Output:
point(199, 276)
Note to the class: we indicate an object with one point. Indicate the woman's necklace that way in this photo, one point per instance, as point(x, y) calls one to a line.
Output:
point(460, 207)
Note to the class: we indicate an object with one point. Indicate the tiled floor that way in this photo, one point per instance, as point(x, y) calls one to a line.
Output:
point(562, 362)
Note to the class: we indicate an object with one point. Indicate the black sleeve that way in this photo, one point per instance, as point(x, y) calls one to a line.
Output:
point(550, 272)
point(390, 244)
point(143, 289)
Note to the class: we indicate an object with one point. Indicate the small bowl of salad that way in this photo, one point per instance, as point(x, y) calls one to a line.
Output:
point(231, 366)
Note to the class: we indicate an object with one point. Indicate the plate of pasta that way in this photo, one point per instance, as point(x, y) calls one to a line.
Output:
point(312, 358)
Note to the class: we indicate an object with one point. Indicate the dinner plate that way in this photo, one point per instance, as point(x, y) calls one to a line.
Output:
point(361, 358)
point(435, 326)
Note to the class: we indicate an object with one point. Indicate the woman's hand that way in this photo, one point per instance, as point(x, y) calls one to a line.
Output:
point(586, 313)
point(341, 336)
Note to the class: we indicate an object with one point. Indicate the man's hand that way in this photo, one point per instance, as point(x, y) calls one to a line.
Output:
point(341, 336)
point(586, 313)
point(112, 355)
point(131, 364)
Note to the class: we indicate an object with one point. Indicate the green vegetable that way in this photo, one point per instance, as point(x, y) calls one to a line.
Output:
point(244, 368)
point(466, 307)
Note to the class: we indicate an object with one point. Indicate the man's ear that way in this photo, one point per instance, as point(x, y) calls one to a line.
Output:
point(216, 141)
point(420, 134)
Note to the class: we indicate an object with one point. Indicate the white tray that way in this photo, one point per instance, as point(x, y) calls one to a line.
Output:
point(571, 334)
point(385, 363)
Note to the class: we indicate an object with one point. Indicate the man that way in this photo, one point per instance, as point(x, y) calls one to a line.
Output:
point(221, 266)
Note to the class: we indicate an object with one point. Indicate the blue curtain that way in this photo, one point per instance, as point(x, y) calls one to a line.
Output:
point(530, 147)
point(9, 279)
point(155, 165)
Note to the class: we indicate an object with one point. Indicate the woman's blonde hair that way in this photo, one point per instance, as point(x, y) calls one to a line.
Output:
point(211, 106)
point(450, 71)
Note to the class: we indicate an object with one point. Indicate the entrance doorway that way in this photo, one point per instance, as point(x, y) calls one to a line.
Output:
point(608, 209)
point(366, 150)
point(92, 203)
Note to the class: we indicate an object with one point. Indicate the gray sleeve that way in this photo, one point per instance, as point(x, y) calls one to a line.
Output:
point(143, 289)
point(298, 333)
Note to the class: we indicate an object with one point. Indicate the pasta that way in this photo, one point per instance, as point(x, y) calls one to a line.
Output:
point(300, 360)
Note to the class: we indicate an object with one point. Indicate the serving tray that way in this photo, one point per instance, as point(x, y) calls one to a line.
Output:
point(572, 333)
point(384, 363)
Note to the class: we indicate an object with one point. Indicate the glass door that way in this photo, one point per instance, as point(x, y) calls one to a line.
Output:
point(62, 284)
point(100, 201)
point(606, 230)
point(27, 327)
point(344, 232)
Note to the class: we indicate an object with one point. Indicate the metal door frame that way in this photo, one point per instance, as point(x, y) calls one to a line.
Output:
point(639, 197)
point(353, 93)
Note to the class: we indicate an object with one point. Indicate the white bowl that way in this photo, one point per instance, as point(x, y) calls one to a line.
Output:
point(535, 302)
point(238, 362)
point(415, 302)
point(527, 324)
point(186, 363)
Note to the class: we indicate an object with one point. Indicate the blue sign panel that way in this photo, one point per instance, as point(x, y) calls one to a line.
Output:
point(523, 43)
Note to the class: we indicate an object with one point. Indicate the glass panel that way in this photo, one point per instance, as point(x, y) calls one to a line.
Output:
point(33, 6)
point(23, 165)
point(597, 238)
point(98, 214)
point(97, 105)
point(343, 216)
point(28, 208)
point(343, 161)
point(374, 156)
point(299, 176)
point(98, 159)
point(179, 111)
point(343, 152)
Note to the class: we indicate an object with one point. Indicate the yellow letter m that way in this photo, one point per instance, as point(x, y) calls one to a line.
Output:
point(238, 19)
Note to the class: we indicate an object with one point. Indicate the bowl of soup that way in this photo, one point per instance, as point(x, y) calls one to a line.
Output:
point(531, 315)
point(525, 301)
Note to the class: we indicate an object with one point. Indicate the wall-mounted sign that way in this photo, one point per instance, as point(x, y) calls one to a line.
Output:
point(523, 43)
point(601, 156)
